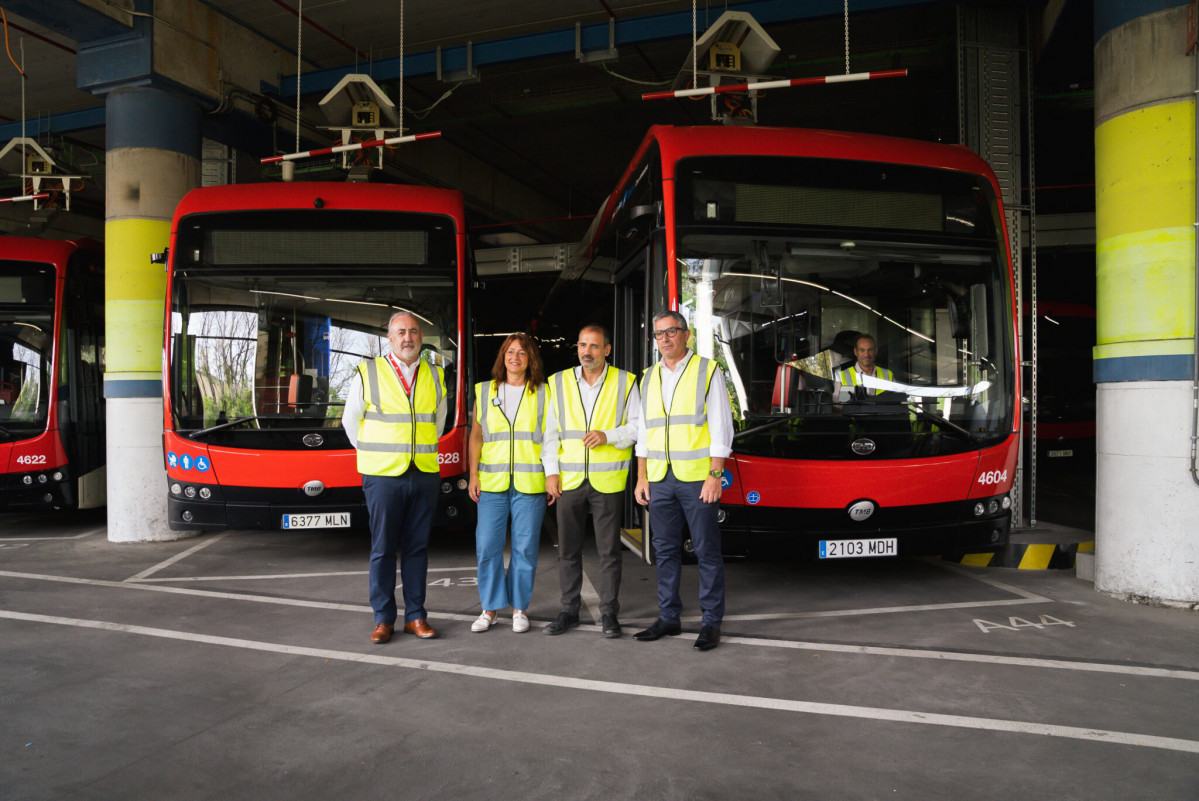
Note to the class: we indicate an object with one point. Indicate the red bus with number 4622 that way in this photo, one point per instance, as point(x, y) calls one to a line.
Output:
point(52, 446)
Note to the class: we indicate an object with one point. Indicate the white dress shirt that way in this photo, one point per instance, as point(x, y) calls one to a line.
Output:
point(720, 414)
point(355, 410)
point(622, 436)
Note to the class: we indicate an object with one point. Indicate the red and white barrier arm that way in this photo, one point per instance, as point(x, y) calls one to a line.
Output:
point(327, 151)
point(780, 84)
point(19, 198)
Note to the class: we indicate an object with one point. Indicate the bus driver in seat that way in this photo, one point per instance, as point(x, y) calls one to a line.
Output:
point(865, 351)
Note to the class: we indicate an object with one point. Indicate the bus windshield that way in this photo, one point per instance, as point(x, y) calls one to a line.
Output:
point(270, 317)
point(843, 310)
point(26, 347)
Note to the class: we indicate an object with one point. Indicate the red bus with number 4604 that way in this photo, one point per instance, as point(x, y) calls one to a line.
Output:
point(784, 249)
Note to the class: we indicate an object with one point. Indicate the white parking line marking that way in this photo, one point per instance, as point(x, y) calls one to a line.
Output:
point(963, 656)
point(272, 576)
point(986, 578)
point(948, 656)
point(881, 610)
point(228, 596)
point(71, 537)
point(647, 691)
point(149, 571)
point(590, 598)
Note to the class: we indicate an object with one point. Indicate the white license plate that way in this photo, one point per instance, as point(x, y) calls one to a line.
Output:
point(1058, 454)
point(319, 520)
point(851, 549)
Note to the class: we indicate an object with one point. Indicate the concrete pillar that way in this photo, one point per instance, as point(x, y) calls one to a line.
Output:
point(1147, 504)
point(153, 159)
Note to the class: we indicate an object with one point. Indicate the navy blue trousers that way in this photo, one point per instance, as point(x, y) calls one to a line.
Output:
point(674, 506)
point(401, 517)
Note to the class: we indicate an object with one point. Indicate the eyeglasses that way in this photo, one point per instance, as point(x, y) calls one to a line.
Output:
point(671, 332)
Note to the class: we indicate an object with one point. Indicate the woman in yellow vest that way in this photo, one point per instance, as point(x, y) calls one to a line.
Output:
point(507, 478)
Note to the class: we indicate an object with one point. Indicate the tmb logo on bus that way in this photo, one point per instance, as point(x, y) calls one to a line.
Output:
point(861, 510)
point(862, 447)
point(314, 488)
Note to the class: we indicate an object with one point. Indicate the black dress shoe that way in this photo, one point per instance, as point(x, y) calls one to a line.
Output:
point(565, 621)
point(611, 626)
point(660, 628)
point(709, 638)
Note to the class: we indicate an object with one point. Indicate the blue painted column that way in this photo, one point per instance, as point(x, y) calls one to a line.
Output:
point(152, 160)
point(1147, 504)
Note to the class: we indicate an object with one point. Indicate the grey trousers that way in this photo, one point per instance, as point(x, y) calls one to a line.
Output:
point(572, 525)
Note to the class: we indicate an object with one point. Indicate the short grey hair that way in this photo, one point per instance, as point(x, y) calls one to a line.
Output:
point(680, 320)
point(400, 314)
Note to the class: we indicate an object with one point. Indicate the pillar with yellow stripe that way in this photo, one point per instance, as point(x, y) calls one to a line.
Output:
point(1147, 501)
point(152, 160)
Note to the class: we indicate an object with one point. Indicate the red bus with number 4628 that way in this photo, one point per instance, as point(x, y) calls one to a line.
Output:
point(276, 293)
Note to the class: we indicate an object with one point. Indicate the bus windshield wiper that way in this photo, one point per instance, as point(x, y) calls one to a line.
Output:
point(941, 421)
point(764, 426)
point(235, 421)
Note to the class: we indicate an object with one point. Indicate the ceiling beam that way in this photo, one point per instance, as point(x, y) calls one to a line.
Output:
point(629, 31)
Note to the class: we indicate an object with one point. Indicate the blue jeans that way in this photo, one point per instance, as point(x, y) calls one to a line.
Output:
point(497, 590)
point(401, 517)
point(675, 507)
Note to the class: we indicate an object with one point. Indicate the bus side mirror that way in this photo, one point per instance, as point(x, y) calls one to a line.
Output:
point(160, 258)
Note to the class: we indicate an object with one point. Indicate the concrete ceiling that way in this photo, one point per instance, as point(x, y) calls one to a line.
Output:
point(537, 137)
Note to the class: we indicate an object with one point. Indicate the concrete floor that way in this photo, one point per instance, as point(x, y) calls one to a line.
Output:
point(238, 666)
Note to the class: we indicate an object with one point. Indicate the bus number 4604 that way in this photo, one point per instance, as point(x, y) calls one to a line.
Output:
point(993, 477)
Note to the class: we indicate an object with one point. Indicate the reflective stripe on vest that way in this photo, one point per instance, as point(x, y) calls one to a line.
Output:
point(606, 467)
point(511, 449)
point(849, 378)
point(679, 440)
point(395, 432)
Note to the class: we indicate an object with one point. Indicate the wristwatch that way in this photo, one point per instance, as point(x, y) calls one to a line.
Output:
point(716, 473)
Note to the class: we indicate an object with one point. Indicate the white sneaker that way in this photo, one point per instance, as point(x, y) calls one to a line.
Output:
point(520, 621)
point(484, 622)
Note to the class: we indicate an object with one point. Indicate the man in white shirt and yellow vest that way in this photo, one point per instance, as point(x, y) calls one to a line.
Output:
point(395, 413)
point(865, 351)
point(590, 427)
point(684, 436)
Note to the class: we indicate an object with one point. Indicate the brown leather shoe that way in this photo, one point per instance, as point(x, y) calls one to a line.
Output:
point(420, 628)
point(382, 633)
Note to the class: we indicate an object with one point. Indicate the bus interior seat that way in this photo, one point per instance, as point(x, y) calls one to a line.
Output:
point(299, 391)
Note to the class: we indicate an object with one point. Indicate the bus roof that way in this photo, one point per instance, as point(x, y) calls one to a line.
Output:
point(675, 143)
point(27, 248)
point(304, 195)
point(679, 142)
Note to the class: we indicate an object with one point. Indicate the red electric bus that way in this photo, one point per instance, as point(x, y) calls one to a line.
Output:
point(276, 293)
point(781, 247)
point(52, 449)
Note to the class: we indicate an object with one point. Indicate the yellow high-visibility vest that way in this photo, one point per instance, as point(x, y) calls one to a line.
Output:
point(678, 439)
point(395, 431)
point(850, 377)
point(511, 454)
point(606, 467)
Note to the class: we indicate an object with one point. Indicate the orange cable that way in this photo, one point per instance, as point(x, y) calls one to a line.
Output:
point(6, 47)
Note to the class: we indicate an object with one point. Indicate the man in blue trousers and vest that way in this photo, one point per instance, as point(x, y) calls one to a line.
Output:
point(685, 434)
point(395, 412)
